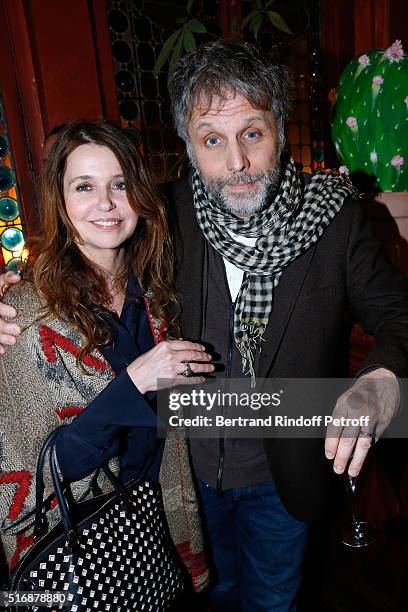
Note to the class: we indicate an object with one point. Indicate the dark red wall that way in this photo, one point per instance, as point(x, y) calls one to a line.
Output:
point(56, 66)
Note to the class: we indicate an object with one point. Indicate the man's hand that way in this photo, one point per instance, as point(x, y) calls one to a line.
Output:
point(8, 331)
point(374, 395)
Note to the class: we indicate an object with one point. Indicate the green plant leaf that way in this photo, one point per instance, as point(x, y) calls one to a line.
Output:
point(278, 22)
point(175, 56)
point(166, 50)
point(189, 5)
point(188, 40)
point(268, 4)
point(256, 24)
point(249, 18)
point(196, 26)
point(259, 4)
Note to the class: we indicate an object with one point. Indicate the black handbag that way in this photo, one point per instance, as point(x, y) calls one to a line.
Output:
point(112, 552)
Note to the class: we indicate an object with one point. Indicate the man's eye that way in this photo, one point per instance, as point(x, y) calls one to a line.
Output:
point(212, 141)
point(84, 187)
point(119, 185)
point(251, 135)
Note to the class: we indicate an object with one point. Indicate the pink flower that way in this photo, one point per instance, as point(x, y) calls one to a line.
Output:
point(351, 122)
point(397, 161)
point(364, 60)
point(378, 80)
point(395, 52)
point(344, 170)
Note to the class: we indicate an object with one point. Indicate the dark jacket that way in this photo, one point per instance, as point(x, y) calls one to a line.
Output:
point(342, 279)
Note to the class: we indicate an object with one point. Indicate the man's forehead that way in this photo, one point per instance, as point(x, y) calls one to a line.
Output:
point(231, 105)
point(226, 102)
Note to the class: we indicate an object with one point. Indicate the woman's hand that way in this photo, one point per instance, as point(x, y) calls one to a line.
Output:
point(167, 361)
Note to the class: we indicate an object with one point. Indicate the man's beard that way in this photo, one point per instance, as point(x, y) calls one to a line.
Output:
point(242, 203)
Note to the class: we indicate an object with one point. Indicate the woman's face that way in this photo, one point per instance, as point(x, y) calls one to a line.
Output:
point(96, 202)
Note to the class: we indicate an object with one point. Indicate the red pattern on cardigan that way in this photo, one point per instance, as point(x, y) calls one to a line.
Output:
point(23, 542)
point(69, 411)
point(50, 339)
point(23, 479)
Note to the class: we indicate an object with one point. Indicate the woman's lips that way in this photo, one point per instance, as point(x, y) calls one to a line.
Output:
point(107, 224)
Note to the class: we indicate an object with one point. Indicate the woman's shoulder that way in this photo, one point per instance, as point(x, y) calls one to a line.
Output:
point(24, 298)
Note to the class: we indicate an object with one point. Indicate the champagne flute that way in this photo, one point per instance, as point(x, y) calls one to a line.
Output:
point(359, 534)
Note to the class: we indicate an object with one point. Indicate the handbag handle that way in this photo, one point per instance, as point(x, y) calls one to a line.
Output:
point(118, 485)
point(65, 513)
point(41, 523)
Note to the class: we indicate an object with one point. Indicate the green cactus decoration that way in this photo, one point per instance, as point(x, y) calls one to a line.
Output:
point(370, 117)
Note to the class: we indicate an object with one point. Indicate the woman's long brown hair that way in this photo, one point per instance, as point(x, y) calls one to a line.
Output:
point(64, 277)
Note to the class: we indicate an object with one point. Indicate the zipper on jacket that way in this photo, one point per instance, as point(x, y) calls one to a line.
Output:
point(220, 469)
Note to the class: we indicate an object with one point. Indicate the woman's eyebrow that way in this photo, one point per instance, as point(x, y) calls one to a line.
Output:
point(84, 177)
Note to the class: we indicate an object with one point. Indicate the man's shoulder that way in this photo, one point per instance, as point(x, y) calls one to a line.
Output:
point(178, 192)
point(179, 202)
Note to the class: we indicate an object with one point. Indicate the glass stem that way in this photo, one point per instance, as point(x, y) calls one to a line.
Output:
point(352, 482)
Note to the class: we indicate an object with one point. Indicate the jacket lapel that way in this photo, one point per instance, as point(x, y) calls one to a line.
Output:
point(189, 245)
point(285, 297)
point(189, 281)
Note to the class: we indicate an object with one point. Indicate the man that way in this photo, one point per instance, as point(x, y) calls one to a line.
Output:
point(268, 265)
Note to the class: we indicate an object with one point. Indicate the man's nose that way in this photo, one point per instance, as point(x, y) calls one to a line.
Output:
point(237, 160)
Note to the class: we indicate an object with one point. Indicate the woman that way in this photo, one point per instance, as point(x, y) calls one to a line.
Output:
point(95, 315)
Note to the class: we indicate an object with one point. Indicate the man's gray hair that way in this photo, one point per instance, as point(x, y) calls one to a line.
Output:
point(218, 68)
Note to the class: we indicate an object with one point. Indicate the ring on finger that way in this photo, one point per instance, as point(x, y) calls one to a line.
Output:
point(187, 370)
point(366, 434)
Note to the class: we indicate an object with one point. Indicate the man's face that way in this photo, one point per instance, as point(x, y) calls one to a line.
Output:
point(234, 146)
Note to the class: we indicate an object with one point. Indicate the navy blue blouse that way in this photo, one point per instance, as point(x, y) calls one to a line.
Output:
point(120, 421)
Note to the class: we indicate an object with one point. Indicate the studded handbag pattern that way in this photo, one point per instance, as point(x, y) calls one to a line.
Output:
point(112, 552)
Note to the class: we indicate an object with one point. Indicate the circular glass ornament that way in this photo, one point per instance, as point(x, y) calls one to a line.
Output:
point(8, 209)
point(125, 81)
point(118, 21)
point(6, 178)
point(128, 109)
point(121, 51)
point(12, 238)
point(15, 265)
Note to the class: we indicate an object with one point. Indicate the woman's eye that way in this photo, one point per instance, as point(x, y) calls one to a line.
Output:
point(119, 185)
point(84, 187)
point(212, 141)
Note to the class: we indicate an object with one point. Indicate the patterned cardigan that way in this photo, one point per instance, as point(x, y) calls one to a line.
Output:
point(41, 387)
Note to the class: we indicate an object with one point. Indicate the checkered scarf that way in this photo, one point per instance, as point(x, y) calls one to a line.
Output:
point(294, 220)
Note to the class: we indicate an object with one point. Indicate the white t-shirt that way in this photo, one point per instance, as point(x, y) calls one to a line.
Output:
point(234, 274)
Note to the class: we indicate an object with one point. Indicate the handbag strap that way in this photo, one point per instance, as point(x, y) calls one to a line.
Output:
point(64, 498)
point(41, 523)
point(66, 514)
point(141, 475)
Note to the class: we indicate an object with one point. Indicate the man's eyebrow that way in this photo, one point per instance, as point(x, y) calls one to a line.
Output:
point(248, 120)
point(85, 177)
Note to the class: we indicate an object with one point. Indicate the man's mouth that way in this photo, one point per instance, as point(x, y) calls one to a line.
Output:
point(242, 187)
